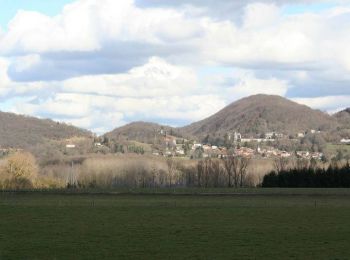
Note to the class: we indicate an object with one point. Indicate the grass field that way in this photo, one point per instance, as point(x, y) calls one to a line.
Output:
point(263, 224)
point(333, 149)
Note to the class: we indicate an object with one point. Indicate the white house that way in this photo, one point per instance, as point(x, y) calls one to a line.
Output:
point(300, 135)
point(345, 141)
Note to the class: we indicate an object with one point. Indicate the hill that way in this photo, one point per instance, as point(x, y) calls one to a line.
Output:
point(260, 114)
point(143, 132)
point(343, 117)
point(18, 131)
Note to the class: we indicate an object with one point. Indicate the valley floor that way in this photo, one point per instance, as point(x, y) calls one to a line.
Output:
point(272, 224)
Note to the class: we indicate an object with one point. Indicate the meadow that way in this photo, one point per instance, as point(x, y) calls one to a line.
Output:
point(184, 224)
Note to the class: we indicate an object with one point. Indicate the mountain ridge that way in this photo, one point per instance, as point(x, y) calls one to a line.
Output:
point(251, 115)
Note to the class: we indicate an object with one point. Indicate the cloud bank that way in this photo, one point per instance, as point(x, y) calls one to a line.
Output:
point(101, 64)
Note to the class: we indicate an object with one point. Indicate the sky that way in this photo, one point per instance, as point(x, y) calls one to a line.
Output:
point(99, 64)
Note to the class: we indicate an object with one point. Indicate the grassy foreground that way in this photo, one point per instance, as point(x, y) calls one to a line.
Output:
point(85, 226)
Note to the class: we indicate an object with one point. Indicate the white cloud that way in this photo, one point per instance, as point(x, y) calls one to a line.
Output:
point(259, 15)
point(248, 85)
point(328, 103)
point(155, 78)
point(25, 62)
point(99, 64)
point(104, 112)
point(87, 25)
point(4, 79)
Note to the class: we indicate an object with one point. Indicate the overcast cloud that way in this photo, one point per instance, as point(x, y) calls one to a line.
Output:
point(103, 63)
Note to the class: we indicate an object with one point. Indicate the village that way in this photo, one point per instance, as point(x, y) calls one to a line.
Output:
point(165, 145)
point(239, 145)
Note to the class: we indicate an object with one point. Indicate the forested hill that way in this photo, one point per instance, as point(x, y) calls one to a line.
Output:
point(144, 132)
point(343, 118)
point(17, 131)
point(260, 114)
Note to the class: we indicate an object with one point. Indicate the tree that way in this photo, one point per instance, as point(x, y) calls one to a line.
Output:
point(300, 164)
point(280, 164)
point(228, 168)
point(20, 171)
point(216, 171)
point(227, 141)
point(207, 171)
point(239, 169)
point(200, 171)
point(171, 169)
point(243, 165)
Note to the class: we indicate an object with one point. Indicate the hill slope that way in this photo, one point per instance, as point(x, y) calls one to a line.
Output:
point(260, 114)
point(17, 131)
point(343, 117)
point(144, 132)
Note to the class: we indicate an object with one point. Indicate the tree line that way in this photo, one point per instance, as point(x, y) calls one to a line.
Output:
point(20, 171)
point(310, 177)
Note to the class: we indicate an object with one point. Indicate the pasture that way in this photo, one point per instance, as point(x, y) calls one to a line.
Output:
point(245, 224)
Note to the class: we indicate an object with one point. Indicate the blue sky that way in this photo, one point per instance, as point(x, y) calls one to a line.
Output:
point(291, 9)
point(174, 62)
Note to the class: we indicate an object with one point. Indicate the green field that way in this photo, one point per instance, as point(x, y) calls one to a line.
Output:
point(263, 224)
point(334, 148)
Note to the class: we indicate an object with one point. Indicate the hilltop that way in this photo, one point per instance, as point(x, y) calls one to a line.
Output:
point(144, 132)
point(343, 117)
point(260, 114)
point(18, 131)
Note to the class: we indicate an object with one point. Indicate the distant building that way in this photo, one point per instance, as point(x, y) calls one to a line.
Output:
point(273, 135)
point(70, 146)
point(237, 137)
point(303, 154)
point(195, 146)
point(244, 152)
point(300, 135)
point(345, 141)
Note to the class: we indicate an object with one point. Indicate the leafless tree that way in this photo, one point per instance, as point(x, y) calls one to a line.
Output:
point(200, 171)
point(235, 169)
point(171, 169)
point(301, 163)
point(243, 165)
point(280, 164)
point(207, 171)
point(216, 172)
point(228, 168)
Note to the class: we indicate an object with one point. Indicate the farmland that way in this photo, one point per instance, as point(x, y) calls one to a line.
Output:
point(176, 224)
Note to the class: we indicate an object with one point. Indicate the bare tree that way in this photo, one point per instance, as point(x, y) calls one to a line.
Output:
point(228, 168)
point(216, 171)
point(200, 171)
point(235, 169)
point(171, 169)
point(207, 171)
point(280, 164)
point(243, 165)
point(301, 163)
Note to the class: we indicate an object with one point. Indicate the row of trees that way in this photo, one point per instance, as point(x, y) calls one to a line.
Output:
point(228, 172)
point(20, 171)
point(332, 177)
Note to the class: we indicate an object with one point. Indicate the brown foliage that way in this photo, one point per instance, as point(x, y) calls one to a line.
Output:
point(20, 171)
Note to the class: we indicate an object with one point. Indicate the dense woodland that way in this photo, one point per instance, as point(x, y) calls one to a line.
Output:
point(310, 177)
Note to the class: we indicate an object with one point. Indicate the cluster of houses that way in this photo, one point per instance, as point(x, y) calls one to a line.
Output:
point(174, 148)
